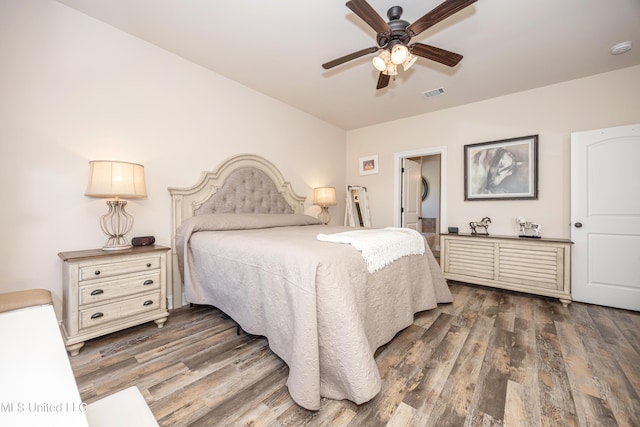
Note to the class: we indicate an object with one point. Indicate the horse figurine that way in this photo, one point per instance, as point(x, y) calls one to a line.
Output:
point(483, 223)
point(529, 229)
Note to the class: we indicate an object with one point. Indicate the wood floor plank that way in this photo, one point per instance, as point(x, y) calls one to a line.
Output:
point(415, 357)
point(522, 388)
point(491, 390)
point(628, 322)
point(489, 358)
point(462, 295)
point(524, 306)
point(332, 413)
point(228, 411)
point(627, 356)
point(454, 402)
point(405, 416)
point(506, 314)
point(576, 360)
point(437, 369)
point(381, 408)
point(614, 385)
point(556, 404)
point(523, 369)
point(593, 411)
point(521, 411)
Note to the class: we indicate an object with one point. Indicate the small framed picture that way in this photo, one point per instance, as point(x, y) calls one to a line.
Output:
point(502, 170)
point(368, 165)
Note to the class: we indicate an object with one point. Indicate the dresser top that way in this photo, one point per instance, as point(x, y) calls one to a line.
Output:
point(100, 253)
point(522, 239)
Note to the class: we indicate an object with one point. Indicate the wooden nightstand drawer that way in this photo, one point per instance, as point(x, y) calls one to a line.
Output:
point(115, 269)
point(96, 316)
point(101, 291)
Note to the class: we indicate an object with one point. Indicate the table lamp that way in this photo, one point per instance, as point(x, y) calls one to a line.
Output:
point(115, 180)
point(324, 197)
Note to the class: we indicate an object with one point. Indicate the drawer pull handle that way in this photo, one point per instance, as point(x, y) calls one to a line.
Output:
point(97, 315)
point(148, 264)
point(148, 282)
point(97, 272)
point(147, 302)
point(97, 292)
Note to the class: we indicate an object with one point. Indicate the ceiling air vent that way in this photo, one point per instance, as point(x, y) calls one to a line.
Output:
point(433, 92)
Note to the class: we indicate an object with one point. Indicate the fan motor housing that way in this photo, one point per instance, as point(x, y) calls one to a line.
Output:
point(398, 28)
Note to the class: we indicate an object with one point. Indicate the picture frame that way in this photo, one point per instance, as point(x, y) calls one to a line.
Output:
point(506, 169)
point(368, 165)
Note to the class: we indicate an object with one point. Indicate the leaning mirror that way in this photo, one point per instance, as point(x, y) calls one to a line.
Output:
point(357, 213)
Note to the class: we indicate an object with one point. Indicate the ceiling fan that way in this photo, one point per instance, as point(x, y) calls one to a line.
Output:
point(394, 36)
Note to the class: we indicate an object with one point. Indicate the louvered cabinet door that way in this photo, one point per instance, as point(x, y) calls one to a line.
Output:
point(470, 258)
point(532, 265)
point(540, 266)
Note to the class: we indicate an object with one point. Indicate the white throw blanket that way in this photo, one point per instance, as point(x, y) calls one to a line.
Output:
point(380, 247)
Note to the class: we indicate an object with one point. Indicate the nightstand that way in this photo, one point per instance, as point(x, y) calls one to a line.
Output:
point(106, 291)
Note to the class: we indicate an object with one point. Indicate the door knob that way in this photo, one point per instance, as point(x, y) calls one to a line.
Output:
point(578, 224)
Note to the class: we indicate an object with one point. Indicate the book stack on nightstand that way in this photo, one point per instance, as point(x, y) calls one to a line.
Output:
point(107, 291)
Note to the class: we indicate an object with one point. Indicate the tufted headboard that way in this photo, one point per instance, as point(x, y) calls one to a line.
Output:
point(246, 190)
point(242, 184)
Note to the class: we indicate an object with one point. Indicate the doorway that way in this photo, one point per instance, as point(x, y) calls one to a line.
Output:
point(431, 198)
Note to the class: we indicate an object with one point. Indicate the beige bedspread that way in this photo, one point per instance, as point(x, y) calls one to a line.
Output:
point(322, 312)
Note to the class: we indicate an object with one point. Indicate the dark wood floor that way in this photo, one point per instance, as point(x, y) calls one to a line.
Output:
point(490, 358)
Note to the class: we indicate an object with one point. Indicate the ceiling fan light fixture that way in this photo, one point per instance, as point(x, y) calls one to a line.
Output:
point(391, 70)
point(379, 63)
point(393, 38)
point(411, 59)
point(399, 54)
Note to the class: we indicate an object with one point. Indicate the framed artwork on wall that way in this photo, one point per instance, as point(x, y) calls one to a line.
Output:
point(368, 165)
point(502, 170)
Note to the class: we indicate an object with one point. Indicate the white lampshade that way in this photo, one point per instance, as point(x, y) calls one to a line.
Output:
point(116, 179)
point(110, 179)
point(324, 196)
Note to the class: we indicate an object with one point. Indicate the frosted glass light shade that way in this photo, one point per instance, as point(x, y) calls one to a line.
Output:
point(380, 61)
point(116, 179)
point(399, 53)
point(409, 61)
point(392, 69)
point(324, 196)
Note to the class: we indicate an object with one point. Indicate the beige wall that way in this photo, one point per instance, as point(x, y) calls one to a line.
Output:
point(552, 112)
point(73, 89)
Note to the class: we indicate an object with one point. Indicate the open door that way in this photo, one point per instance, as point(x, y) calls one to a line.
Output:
point(412, 194)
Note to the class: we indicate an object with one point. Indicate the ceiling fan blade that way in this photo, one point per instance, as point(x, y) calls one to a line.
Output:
point(437, 14)
point(383, 81)
point(435, 54)
point(369, 15)
point(349, 57)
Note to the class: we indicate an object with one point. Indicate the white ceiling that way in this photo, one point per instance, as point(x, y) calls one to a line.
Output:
point(277, 48)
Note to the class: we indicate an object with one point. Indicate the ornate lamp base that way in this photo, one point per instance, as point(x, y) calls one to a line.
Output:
point(115, 224)
point(324, 215)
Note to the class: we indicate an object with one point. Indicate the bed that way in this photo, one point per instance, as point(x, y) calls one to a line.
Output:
point(243, 245)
